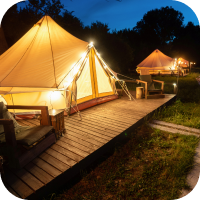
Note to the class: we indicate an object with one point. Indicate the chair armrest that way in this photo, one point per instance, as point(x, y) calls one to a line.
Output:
point(141, 81)
point(130, 81)
point(158, 81)
point(44, 112)
point(9, 131)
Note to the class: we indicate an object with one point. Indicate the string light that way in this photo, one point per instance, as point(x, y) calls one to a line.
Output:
point(91, 44)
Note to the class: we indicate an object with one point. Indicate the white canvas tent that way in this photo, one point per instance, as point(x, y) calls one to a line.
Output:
point(157, 62)
point(48, 65)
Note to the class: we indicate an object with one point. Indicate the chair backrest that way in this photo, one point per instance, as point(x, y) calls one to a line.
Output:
point(147, 78)
point(5, 114)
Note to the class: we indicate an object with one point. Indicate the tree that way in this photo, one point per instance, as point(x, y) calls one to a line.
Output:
point(188, 44)
point(16, 22)
point(160, 25)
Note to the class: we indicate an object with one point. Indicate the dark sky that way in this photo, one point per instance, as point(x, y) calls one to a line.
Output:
point(124, 14)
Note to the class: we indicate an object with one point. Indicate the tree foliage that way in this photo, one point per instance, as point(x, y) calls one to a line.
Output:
point(160, 25)
point(122, 50)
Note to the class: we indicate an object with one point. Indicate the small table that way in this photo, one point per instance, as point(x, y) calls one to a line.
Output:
point(139, 92)
point(57, 121)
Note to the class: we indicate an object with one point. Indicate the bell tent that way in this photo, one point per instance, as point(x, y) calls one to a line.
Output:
point(183, 63)
point(157, 63)
point(49, 66)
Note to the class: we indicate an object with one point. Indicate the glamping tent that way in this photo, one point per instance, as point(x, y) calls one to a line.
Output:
point(157, 63)
point(49, 66)
point(183, 63)
point(3, 43)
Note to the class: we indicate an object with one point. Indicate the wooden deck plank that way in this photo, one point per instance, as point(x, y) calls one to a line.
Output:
point(29, 179)
point(97, 127)
point(54, 162)
point(81, 141)
point(17, 184)
point(118, 118)
point(72, 148)
point(27, 123)
point(46, 167)
point(61, 157)
point(86, 132)
point(84, 136)
point(125, 112)
point(106, 120)
point(78, 145)
point(80, 126)
point(39, 173)
point(67, 153)
point(100, 125)
point(109, 122)
point(34, 121)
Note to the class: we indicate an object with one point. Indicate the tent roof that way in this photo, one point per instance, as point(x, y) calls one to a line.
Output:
point(156, 60)
point(183, 60)
point(42, 58)
point(3, 43)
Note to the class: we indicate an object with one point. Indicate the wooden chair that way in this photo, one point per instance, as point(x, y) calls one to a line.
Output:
point(149, 89)
point(19, 145)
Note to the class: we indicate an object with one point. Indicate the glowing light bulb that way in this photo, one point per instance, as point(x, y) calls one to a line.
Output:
point(91, 44)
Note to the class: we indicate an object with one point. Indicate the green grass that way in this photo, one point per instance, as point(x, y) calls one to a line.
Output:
point(186, 110)
point(152, 165)
point(186, 114)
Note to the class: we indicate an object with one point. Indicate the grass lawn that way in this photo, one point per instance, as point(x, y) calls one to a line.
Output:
point(153, 164)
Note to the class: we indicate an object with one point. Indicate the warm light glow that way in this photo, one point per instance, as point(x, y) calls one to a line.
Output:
point(55, 95)
point(53, 110)
point(91, 44)
point(98, 54)
point(173, 68)
point(83, 55)
point(174, 84)
point(194, 63)
point(105, 67)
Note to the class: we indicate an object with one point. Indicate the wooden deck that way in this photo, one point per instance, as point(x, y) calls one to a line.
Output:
point(101, 128)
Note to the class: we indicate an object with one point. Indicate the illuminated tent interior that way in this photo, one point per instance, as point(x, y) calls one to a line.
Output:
point(49, 66)
point(157, 63)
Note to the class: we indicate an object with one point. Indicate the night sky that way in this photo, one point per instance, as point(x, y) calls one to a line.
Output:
point(121, 15)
